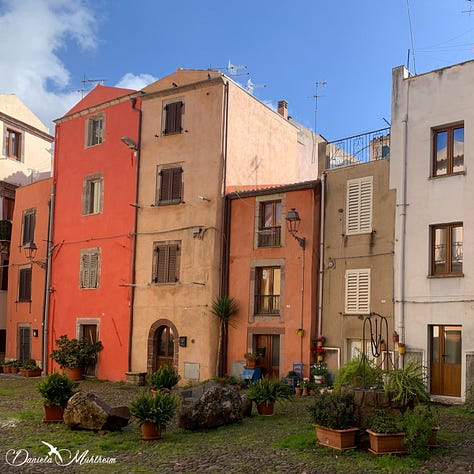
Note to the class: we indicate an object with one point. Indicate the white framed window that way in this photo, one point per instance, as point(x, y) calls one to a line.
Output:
point(357, 297)
point(359, 205)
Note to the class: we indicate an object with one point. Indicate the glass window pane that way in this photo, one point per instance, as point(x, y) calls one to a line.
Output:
point(435, 345)
point(456, 249)
point(441, 152)
point(439, 250)
point(458, 149)
point(452, 346)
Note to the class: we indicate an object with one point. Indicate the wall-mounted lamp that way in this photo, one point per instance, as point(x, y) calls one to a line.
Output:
point(129, 142)
point(35, 332)
point(293, 223)
point(31, 250)
point(183, 341)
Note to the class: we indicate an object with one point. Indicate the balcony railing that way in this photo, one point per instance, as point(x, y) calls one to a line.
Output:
point(5, 231)
point(269, 237)
point(267, 304)
point(358, 149)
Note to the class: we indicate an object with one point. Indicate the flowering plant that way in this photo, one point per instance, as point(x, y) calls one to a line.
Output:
point(319, 368)
point(305, 382)
point(321, 338)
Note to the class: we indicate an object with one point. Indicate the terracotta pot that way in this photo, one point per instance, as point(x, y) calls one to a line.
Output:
point(150, 431)
point(14, 370)
point(30, 372)
point(266, 408)
point(6, 369)
point(305, 392)
point(298, 391)
point(337, 439)
point(251, 364)
point(386, 443)
point(53, 414)
point(73, 373)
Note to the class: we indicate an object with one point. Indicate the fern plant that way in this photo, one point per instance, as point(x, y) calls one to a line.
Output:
point(408, 384)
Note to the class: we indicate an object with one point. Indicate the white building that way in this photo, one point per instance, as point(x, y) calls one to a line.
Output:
point(434, 229)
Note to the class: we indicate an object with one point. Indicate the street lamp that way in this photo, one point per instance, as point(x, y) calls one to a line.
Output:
point(293, 223)
point(30, 250)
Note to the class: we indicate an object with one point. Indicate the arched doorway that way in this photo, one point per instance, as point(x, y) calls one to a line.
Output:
point(162, 345)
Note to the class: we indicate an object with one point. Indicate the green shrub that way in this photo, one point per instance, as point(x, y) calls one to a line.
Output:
point(56, 389)
point(267, 390)
point(72, 353)
point(332, 410)
point(383, 422)
point(165, 378)
point(359, 372)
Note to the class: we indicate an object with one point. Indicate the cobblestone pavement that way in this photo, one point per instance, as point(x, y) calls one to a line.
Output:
point(456, 455)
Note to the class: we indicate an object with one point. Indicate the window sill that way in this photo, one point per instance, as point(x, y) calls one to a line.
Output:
point(23, 301)
point(447, 275)
point(461, 173)
point(169, 203)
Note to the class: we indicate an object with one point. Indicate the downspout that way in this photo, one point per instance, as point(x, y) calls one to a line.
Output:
point(403, 207)
point(321, 253)
point(47, 284)
point(135, 230)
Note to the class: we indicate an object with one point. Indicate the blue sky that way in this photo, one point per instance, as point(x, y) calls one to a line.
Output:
point(48, 46)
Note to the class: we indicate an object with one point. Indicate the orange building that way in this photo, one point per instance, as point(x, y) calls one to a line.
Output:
point(95, 178)
point(27, 272)
point(273, 277)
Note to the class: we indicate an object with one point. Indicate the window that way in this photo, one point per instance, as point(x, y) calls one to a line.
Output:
point(166, 262)
point(89, 268)
point(13, 144)
point(24, 287)
point(92, 195)
point(357, 291)
point(448, 150)
point(29, 219)
point(95, 130)
point(268, 285)
point(172, 117)
point(3, 272)
point(359, 206)
point(170, 185)
point(24, 343)
point(269, 226)
point(446, 249)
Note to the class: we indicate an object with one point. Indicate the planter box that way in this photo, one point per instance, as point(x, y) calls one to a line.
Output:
point(136, 378)
point(30, 372)
point(337, 439)
point(386, 443)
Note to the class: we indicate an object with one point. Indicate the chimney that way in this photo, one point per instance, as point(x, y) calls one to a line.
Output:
point(283, 108)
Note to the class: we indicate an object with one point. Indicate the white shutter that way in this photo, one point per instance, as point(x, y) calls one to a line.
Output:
point(357, 291)
point(359, 205)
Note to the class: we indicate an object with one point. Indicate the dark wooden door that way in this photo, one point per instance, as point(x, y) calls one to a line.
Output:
point(269, 346)
point(165, 346)
point(89, 332)
point(446, 346)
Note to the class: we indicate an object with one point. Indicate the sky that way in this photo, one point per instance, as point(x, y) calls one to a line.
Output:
point(342, 51)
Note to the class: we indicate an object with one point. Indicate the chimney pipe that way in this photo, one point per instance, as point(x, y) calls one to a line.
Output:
point(283, 108)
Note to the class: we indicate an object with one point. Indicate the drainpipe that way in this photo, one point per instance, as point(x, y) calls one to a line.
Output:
point(47, 284)
point(321, 253)
point(135, 230)
point(403, 217)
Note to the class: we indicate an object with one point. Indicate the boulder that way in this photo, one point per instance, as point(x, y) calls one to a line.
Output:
point(216, 407)
point(86, 411)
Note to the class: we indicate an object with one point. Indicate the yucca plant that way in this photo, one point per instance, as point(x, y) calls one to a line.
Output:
point(407, 385)
point(165, 378)
point(159, 409)
point(266, 390)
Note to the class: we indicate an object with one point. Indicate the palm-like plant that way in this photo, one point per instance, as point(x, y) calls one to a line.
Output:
point(224, 308)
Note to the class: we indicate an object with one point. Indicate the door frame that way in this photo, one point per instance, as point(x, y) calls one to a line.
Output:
point(152, 347)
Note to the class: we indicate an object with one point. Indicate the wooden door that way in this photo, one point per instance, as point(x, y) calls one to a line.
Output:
point(446, 347)
point(89, 332)
point(269, 346)
point(164, 346)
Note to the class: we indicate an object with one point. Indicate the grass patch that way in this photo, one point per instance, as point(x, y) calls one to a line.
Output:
point(297, 442)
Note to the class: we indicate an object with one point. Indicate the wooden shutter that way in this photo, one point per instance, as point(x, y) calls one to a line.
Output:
point(357, 291)
point(166, 263)
point(29, 219)
point(171, 184)
point(24, 291)
point(24, 343)
point(359, 206)
point(90, 270)
point(173, 112)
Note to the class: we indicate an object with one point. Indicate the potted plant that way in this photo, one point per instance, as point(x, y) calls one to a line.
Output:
point(165, 378)
point(408, 385)
point(265, 392)
point(359, 372)
point(154, 413)
point(385, 433)
point(30, 369)
point(74, 354)
point(333, 416)
point(319, 372)
point(251, 358)
point(13, 366)
point(56, 389)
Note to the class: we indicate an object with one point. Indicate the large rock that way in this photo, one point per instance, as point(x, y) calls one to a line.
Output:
point(216, 407)
point(86, 411)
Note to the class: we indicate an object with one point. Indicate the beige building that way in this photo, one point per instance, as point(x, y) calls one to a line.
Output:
point(25, 156)
point(201, 134)
point(358, 233)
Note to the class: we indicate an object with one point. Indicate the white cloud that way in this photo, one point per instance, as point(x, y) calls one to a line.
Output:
point(137, 82)
point(32, 32)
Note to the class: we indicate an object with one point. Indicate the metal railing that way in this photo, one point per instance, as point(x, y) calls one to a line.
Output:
point(269, 237)
point(363, 148)
point(267, 304)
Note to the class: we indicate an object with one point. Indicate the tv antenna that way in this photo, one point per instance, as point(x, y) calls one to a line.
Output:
point(233, 70)
point(316, 96)
point(251, 86)
point(86, 81)
point(470, 8)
